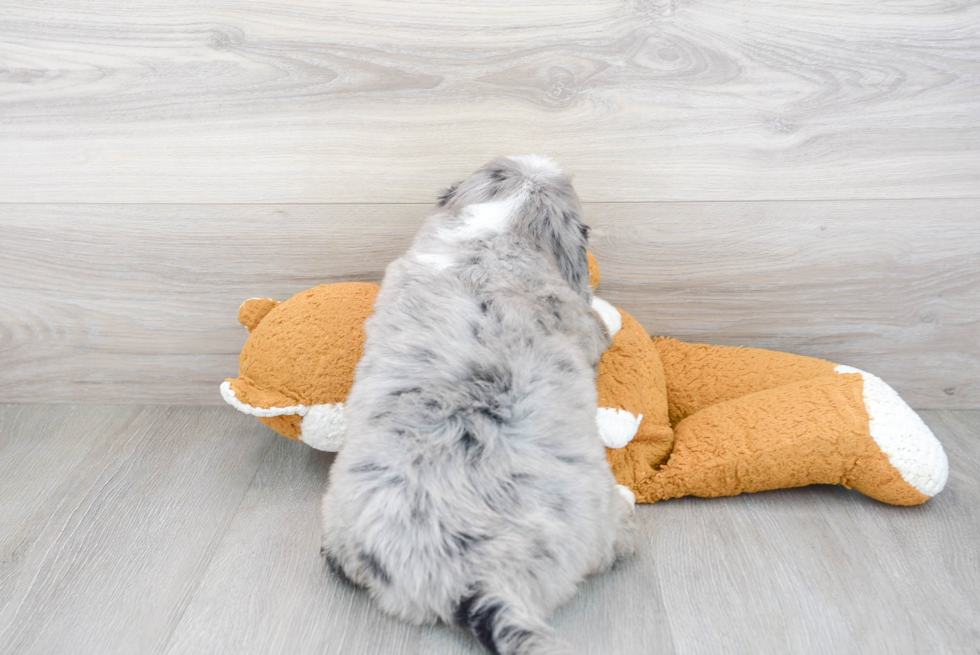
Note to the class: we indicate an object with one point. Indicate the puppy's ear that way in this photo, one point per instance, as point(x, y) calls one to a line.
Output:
point(565, 238)
point(447, 195)
point(574, 260)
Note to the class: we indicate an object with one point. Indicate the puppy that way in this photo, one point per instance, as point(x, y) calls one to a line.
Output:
point(472, 487)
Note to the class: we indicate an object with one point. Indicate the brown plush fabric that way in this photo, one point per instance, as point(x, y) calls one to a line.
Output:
point(305, 349)
point(744, 419)
point(254, 310)
point(699, 375)
point(631, 377)
point(288, 426)
point(594, 275)
point(250, 393)
point(810, 432)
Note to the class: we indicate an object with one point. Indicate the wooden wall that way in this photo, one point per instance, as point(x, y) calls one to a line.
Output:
point(785, 174)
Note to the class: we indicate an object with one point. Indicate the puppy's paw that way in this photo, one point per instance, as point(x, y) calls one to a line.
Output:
point(627, 534)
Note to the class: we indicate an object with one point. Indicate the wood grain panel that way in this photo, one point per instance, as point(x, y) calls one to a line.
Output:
point(115, 303)
point(109, 562)
point(891, 287)
point(138, 303)
point(382, 101)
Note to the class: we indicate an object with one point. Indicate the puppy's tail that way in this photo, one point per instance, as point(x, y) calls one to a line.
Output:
point(505, 628)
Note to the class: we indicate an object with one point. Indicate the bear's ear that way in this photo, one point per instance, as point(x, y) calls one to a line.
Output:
point(594, 275)
point(254, 310)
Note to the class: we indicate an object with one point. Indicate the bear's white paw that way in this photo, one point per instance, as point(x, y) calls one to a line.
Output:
point(324, 426)
point(617, 427)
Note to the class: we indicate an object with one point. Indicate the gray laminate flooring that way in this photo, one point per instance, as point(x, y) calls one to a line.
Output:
point(194, 530)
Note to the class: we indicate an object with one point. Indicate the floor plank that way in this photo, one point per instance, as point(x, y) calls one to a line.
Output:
point(942, 601)
point(267, 590)
point(40, 446)
point(272, 546)
point(190, 530)
point(623, 611)
point(316, 101)
point(826, 570)
point(108, 564)
point(129, 308)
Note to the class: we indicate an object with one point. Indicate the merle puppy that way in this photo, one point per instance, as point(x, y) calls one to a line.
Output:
point(472, 487)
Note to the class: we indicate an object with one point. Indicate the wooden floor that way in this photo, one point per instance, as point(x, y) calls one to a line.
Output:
point(194, 530)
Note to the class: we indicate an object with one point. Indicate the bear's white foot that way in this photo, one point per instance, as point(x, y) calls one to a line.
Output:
point(906, 440)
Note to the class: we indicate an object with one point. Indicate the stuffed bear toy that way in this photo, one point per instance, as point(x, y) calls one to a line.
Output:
point(677, 418)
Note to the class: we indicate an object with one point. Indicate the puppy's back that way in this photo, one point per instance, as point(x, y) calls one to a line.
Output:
point(472, 486)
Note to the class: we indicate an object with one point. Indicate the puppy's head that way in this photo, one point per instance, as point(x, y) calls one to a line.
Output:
point(535, 201)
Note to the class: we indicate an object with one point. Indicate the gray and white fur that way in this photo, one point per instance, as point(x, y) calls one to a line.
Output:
point(472, 486)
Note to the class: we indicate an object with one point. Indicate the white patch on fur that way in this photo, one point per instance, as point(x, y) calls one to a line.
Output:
point(609, 315)
point(324, 426)
point(439, 262)
point(539, 164)
point(617, 427)
point(265, 412)
point(627, 494)
point(483, 218)
point(906, 440)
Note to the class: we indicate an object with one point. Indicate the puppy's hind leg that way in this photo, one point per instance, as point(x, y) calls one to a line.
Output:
point(504, 626)
point(333, 548)
point(333, 556)
point(627, 531)
point(622, 507)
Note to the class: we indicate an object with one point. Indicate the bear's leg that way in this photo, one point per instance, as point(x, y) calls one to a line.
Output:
point(698, 375)
point(846, 428)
